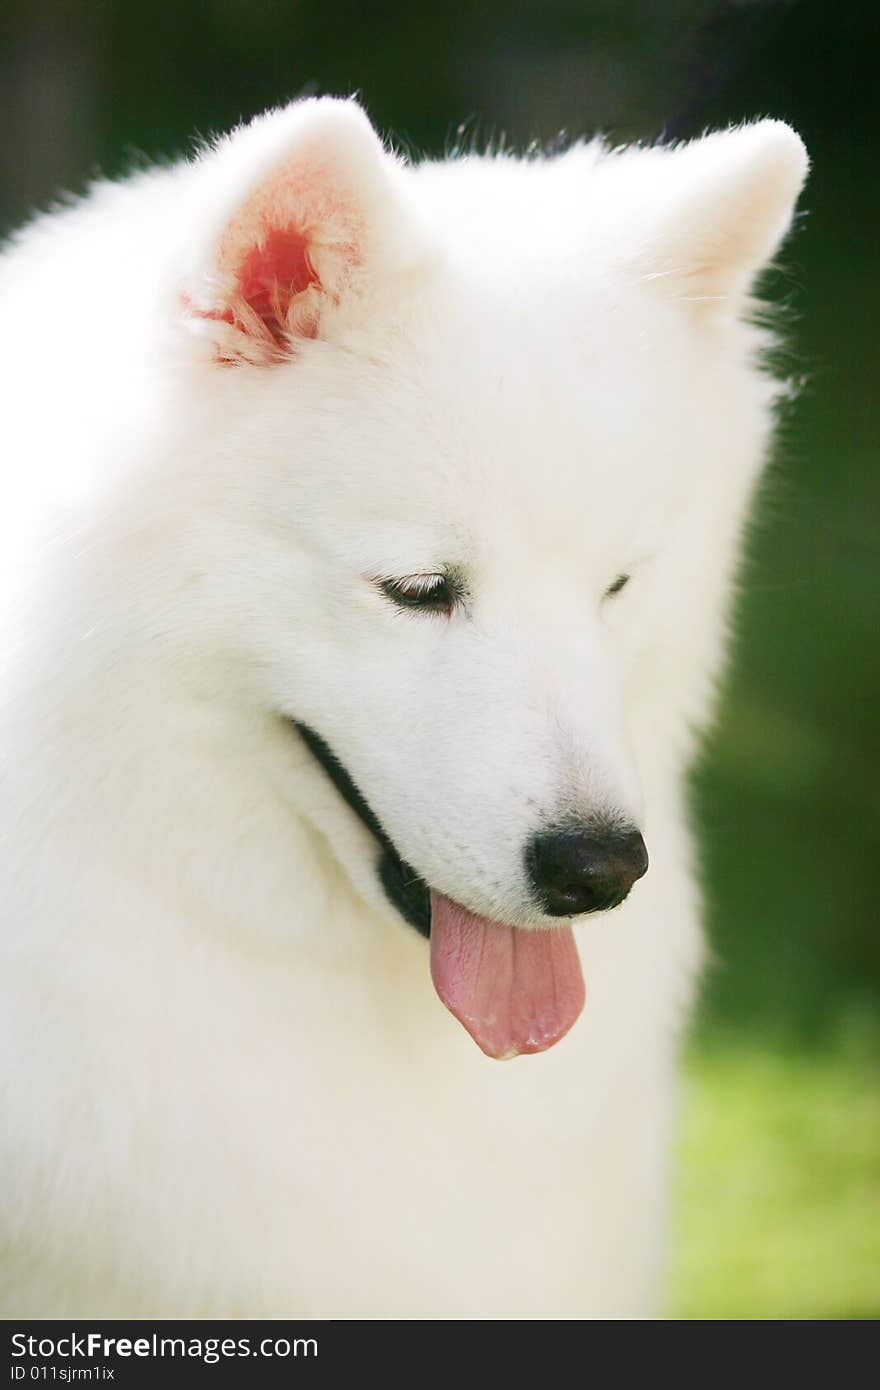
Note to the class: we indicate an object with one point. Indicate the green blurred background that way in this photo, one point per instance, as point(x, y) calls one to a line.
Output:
point(778, 1185)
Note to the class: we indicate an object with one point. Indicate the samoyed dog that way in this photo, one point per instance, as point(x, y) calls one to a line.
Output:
point(368, 534)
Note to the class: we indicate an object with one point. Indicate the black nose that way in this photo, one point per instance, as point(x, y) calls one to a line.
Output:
point(585, 871)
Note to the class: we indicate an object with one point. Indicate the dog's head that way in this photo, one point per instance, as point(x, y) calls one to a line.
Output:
point(500, 421)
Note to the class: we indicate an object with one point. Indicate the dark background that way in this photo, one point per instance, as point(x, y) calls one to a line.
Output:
point(786, 800)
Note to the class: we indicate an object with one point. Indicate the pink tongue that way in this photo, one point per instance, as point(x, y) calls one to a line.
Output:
point(513, 989)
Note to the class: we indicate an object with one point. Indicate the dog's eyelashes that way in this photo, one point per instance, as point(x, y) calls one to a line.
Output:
point(620, 583)
point(427, 593)
point(439, 593)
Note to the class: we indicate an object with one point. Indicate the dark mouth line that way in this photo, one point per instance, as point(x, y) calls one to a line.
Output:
point(404, 888)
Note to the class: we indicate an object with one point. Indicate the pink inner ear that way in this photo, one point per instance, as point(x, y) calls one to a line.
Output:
point(273, 273)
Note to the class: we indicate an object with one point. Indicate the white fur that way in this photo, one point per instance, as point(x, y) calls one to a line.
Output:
point(228, 1085)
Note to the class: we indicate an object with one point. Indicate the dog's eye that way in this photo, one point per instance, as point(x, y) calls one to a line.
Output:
point(620, 583)
point(430, 593)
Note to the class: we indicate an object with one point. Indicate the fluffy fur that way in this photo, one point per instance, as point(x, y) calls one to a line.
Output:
point(228, 1086)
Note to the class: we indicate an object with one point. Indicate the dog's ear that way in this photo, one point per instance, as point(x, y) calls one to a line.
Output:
point(717, 210)
point(304, 216)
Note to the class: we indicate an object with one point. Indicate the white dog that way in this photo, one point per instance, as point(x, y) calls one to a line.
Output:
point(368, 535)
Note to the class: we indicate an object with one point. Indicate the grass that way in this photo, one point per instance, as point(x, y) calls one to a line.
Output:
point(778, 1171)
point(779, 1183)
